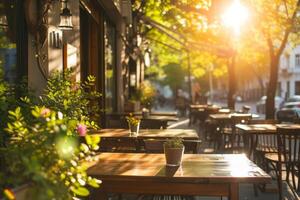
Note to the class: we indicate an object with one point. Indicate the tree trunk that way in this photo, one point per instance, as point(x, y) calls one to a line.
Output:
point(231, 84)
point(272, 86)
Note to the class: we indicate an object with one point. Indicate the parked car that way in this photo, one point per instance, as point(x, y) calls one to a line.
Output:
point(290, 111)
point(295, 98)
point(261, 104)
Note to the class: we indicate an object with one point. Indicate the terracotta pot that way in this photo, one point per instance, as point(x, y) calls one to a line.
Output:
point(173, 156)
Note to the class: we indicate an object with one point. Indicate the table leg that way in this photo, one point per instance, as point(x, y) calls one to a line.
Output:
point(234, 191)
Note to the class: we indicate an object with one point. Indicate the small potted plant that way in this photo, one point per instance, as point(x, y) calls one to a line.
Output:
point(174, 150)
point(133, 124)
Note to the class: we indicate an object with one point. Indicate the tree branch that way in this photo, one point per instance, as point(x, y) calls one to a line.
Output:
point(286, 9)
point(288, 31)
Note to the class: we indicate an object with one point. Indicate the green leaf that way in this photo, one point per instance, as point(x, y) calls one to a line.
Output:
point(94, 182)
point(84, 148)
point(81, 191)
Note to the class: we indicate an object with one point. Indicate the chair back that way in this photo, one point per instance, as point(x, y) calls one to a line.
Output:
point(239, 119)
point(288, 145)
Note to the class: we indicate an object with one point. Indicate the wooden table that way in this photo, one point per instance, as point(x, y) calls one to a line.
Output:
point(120, 140)
point(149, 133)
point(199, 174)
point(227, 116)
point(201, 112)
point(265, 128)
point(159, 113)
point(257, 128)
point(160, 117)
point(252, 130)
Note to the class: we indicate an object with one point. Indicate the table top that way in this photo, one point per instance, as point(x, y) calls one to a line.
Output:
point(150, 133)
point(203, 106)
point(265, 128)
point(195, 167)
point(160, 117)
point(257, 128)
point(152, 113)
point(227, 116)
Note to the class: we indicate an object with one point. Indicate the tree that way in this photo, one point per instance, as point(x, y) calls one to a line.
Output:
point(274, 22)
point(174, 76)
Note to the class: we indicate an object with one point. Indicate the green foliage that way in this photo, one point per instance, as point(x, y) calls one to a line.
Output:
point(42, 139)
point(44, 149)
point(74, 99)
point(174, 143)
point(132, 120)
point(148, 93)
point(175, 76)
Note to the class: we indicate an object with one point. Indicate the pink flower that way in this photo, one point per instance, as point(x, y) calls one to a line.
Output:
point(81, 129)
point(45, 112)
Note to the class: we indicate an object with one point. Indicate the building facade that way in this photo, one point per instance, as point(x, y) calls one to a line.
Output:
point(32, 45)
point(289, 73)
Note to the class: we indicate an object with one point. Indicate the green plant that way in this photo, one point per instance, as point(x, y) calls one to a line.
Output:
point(45, 150)
point(40, 138)
point(77, 100)
point(148, 93)
point(174, 143)
point(132, 120)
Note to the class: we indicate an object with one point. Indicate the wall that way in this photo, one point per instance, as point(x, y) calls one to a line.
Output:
point(72, 38)
point(52, 57)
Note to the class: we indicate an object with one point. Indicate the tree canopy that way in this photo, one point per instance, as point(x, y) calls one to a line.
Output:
point(176, 27)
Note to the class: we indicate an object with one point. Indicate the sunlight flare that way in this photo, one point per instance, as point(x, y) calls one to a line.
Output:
point(235, 16)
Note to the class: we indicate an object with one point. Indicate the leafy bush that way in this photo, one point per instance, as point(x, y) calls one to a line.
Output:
point(74, 99)
point(47, 154)
point(42, 138)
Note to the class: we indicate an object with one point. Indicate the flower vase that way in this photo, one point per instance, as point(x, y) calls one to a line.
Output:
point(134, 129)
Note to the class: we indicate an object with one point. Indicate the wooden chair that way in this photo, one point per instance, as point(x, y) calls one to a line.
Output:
point(288, 155)
point(263, 143)
point(233, 140)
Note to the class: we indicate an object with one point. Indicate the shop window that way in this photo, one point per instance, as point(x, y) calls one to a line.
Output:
point(13, 41)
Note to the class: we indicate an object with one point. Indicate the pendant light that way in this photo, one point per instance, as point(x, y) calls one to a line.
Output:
point(65, 17)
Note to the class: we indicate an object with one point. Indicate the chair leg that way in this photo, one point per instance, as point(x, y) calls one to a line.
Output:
point(255, 188)
point(279, 180)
